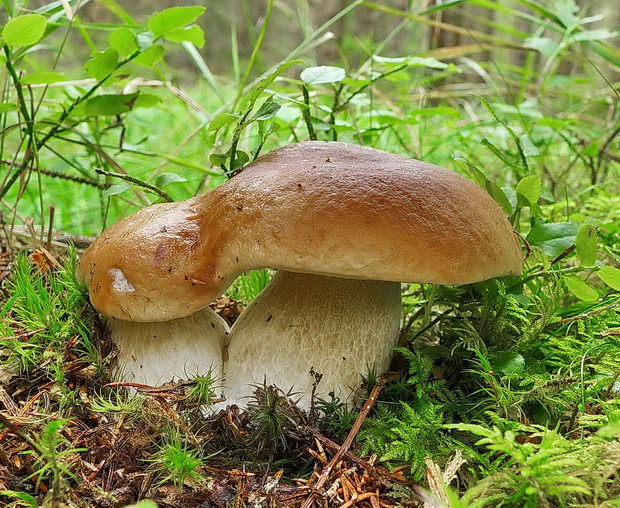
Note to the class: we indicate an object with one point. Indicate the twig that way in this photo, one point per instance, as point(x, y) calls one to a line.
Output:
point(380, 471)
point(562, 254)
point(162, 194)
point(345, 445)
point(584, 316)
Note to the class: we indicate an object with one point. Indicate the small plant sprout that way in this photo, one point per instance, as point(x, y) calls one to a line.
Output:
point(176, 462)
point(202, 391)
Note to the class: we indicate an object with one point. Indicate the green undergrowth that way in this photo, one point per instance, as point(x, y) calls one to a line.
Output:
point(520, 375)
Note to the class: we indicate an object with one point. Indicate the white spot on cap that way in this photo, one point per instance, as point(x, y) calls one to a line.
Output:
point(120, 283)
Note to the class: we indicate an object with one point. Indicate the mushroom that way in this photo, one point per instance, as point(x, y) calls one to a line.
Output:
point(141, 275)
point(344, 225)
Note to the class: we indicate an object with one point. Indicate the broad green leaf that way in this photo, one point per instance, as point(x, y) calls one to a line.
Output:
point(24, 30)
point(112, 190)
point(322, 74)
point(193, 34)
point(7, 106)
point(151, 55)
point(553, 237)
point(123, 41)
point(112, 104)
point(102, 63)
point(530, 188)
point(267, 110)
point(172, 19)
point(585, 244)
point(166, 178)
point(580, 288)
point(610, 275)
point(146, 100)
point(509, 362)
point(42, 78)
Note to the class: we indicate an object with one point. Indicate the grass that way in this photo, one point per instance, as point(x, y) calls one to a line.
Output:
point(519, 375)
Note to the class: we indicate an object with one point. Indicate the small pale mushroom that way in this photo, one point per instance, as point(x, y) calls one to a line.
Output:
point(141, 277)
point(344, 225)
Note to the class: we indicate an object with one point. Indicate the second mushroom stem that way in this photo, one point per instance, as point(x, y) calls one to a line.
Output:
point(340, 328)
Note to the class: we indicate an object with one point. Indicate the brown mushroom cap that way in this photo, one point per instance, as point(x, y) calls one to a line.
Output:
point(327, 208)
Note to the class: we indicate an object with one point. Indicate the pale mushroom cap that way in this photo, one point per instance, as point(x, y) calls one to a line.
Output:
point(327, 208)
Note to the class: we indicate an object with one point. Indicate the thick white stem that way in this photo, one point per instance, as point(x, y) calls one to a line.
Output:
point(155, 353)
point(341, 328)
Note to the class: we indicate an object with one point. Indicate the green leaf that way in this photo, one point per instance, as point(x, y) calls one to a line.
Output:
point(580, 288)
point(112, 190)
point(166, 178)
point(529, 149)
point(499, 196)
point(123, 41)
point(22, 496)
point(169, 20)
point(218, 159)
point(435, 111)
point(241, 158)
point(585, 244)
point(322, 74)
point(143, 504)
point(565, 10)
point(553, 237)
point(431, 63)
point(193, 34)
point(267, 80)
point(146, 100)
point(390, 60)
point(102, 63)
point(145, 40)
point(481, 179)
point(597, 34)
point(151, 55)
point(112, 104)
point(24, 30)
point(42, 78)
point(610, 275)
point(268, 110)
point(7, 106)
point(221, 120)
point(509, 362)
point(530, 188)
point(544, 45)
